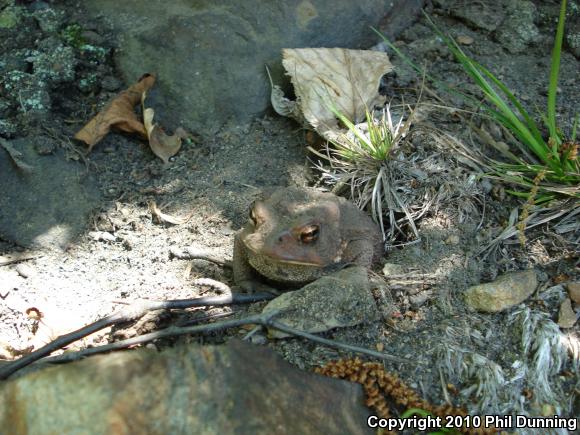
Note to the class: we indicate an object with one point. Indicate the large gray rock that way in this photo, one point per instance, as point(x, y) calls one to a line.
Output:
point(48, 205)
point(190, 389)
point(333, 301)
point(210, 56)
point(518, 30)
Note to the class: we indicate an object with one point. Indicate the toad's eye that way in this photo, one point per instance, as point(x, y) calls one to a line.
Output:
point(309, 234)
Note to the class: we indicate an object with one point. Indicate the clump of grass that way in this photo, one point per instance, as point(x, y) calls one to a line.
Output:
point(362, 158)
point(542, 164)
point(555, 157)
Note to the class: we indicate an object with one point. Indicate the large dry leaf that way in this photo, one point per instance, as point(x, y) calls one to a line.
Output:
point(118, 114)
point(326, 78)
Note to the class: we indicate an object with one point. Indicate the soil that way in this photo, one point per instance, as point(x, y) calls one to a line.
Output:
point(213, 179)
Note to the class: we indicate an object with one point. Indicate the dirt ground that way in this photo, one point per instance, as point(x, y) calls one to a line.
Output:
point(212, 180)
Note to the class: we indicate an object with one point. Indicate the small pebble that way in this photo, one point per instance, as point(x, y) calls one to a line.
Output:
point(453, 239)
point(25, 270)
point(464, 40)
point(110, 83)
point(566, 316)
point(390, 269)
point(574, 291)
point(92, 37)
point(102, 236)
point(419, 299)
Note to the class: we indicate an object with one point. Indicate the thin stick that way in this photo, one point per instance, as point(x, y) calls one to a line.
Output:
point(128, 314)
point(336, 344)
point(172, 331)
point(264, 319)
point(15, 258)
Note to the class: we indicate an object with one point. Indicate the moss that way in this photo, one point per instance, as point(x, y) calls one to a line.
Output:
point(9, 17)
point(72, 35)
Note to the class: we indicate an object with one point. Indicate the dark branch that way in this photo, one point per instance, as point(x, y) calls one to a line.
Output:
point(128, 314)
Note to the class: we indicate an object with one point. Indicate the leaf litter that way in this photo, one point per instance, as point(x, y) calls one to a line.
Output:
point(120, 115)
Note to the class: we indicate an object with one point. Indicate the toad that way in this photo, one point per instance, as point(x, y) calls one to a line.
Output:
point(296, 235)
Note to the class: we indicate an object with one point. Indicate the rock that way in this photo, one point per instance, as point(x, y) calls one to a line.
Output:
point(102, 236)
point(477, 15)
point(420, 298)
point(210, 56)
point(92, 37)
point(48, 206)
point(401, 17)
point(390, 269)
point(334, 301)
point(574, 291)
point(572, 31)
point(8, 128)
point(25, 270)
point(110, 83)
point(566, 315)
point(453, 239)
point(30, 91)
point(518, 30)
point(55, 66)
point(506, 291)
point(464, 40)
point(237, 388)
point(49, 20)
point(5, 108)
point(44, 145)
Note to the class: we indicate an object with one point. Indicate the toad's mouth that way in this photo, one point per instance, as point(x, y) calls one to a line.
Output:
point(307, 259)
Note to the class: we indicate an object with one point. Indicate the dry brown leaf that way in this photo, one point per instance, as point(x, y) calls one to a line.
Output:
point(162, 145)
point(347, 80)
point(118, 114)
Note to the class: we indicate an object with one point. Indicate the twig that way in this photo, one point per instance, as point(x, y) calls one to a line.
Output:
point(193, 253)
point(444, 386)
point(15, 258)
point(332, 343)
point(172, 331)
point(264, 319)
point(125, 315)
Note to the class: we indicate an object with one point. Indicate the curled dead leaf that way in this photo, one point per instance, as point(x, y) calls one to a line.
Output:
point(118, 114)
point(163, 146)
point(327, 78)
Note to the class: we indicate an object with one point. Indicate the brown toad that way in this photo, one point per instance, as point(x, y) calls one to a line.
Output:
point(296, 235)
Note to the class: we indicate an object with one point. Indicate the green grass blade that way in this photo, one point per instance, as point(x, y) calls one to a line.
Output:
point(512, 98)
point(554, 71)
